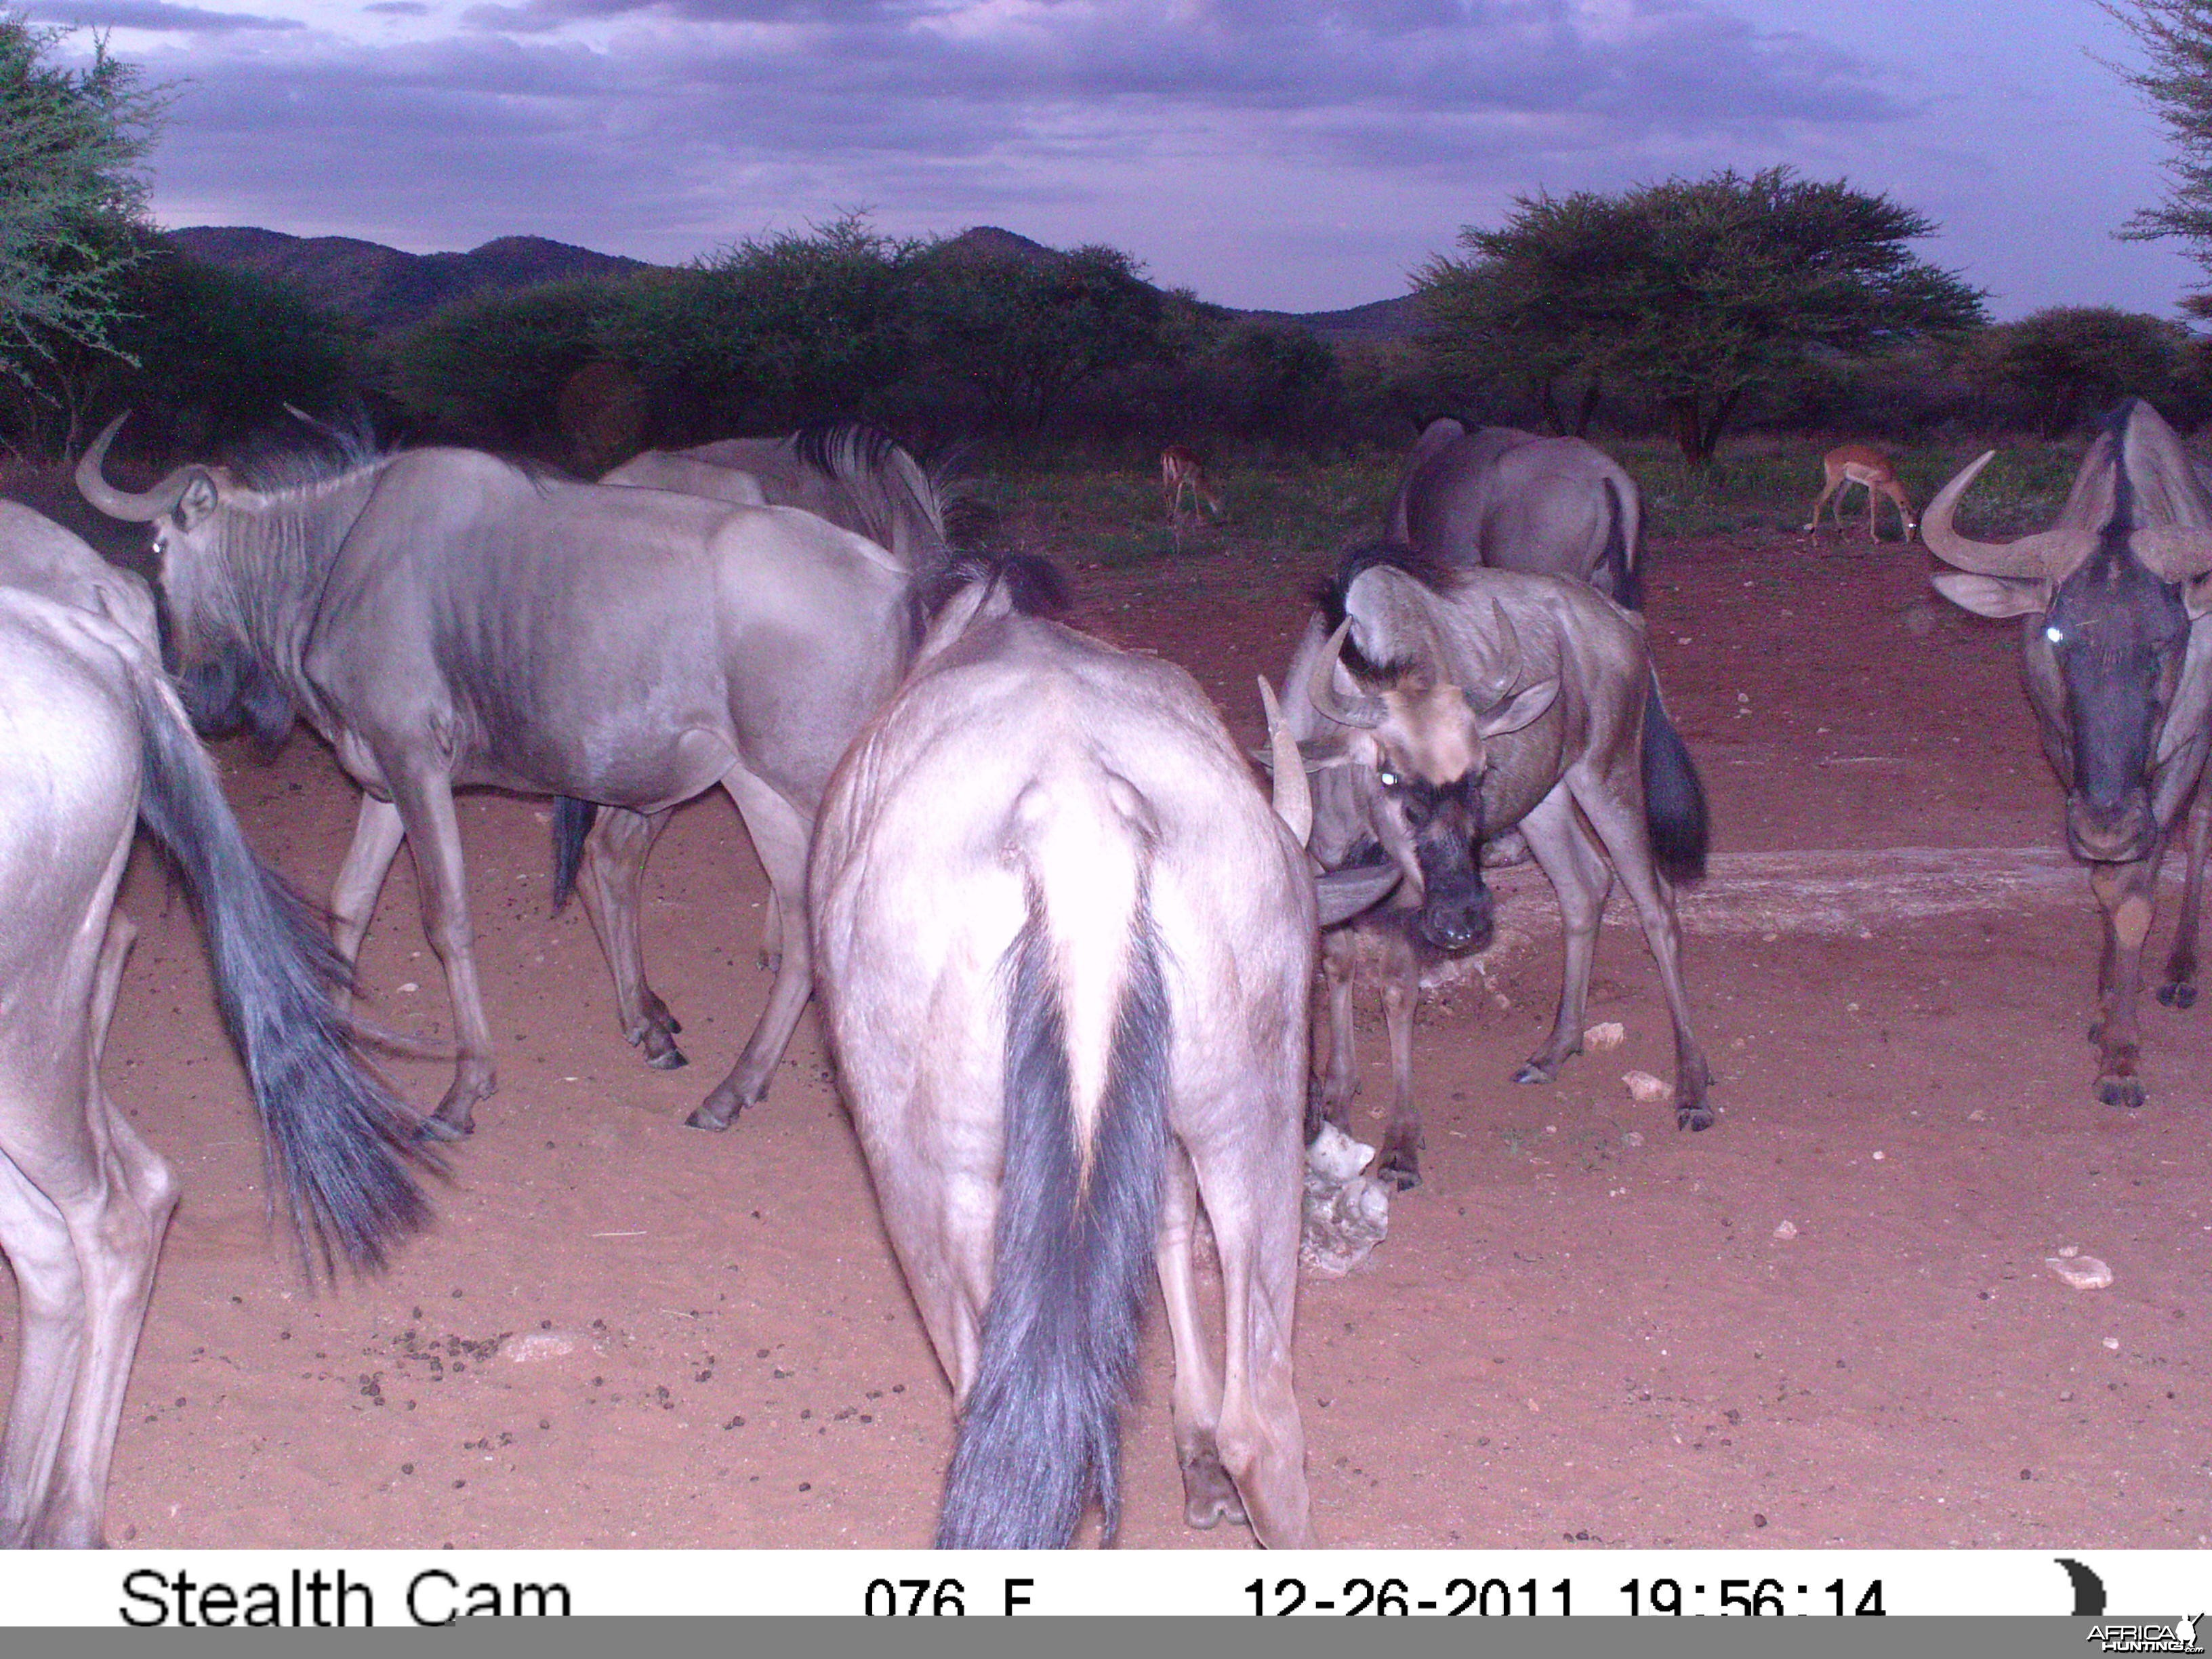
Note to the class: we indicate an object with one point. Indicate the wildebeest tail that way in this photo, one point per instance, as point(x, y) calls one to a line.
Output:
point(339, 1144)
point(572, 826)
point(1623, 560)
point(1041, 1430)
point(1674, 798)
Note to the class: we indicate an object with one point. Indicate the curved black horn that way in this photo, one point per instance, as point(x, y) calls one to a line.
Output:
point(122, 503)
point(1364, 713)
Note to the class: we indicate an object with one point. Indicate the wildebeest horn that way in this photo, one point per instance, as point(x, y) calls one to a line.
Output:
point(2173, 555)
point(2045, 554)
point(122, 503)
point(1502, 666)
point(1293, 794)
point(1365, 713)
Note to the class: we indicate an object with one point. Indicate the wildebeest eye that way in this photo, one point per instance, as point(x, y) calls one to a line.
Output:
point(2055, 634)
point(1388, 778)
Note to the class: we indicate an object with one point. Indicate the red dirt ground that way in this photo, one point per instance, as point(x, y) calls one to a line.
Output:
point(1582, 1328)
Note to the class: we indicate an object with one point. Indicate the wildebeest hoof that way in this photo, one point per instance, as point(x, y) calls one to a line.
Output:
point(2180, 994)
point(1507, 850)
point(671, 1059)
point(2126, 1092)
point(1699, 1117)
point(435, 1128)
point(1209, 1496)
point(1402, 1170)
point(1533, 1073)
point(702, 1118)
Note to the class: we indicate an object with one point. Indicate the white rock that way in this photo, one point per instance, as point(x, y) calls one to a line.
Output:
point(539, 1346)
point(1335, 1157)
point(1343, 1228)
point(1786, 1228)
point(2084, 1273)
point(1644, 1089)
point(1610, 1034)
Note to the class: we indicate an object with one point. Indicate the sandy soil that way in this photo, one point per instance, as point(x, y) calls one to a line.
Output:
point(1583, 1328)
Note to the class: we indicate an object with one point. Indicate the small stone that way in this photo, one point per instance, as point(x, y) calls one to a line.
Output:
point(1978, 1115)
point(410, 986)
point(2113, 1343)
point(2069, 1251)
point(1785, 1229)
point(1634, 1137)
point(1608, 1034)
point(2084, 1273)
point(1644, 1089)
point(1878, 1157)
point(536, 1345)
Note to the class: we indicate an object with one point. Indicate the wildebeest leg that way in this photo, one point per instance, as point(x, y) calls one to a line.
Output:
point(1400, 1160)
point(1619, 824)
point(2127, 893)
point(81, 1217)
point(1208, 1494)
point(425, 804)
point(771, 951)
point(377, 832)
point(1251, 1185)
point(780, 835)
point(610, 880)
point(1330, 1100)
point(1573, 863)
point(2179, 990)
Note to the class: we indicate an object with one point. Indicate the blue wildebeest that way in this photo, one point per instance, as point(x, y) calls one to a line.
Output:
point(1066, 952)
point(1505, 500)
point(2118, 658)
point(1509, 499)
point(1442, 706)
point(858, 479)
point(96, 743)
point(445, 618)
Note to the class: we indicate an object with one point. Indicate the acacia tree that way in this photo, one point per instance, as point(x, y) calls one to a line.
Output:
point(2176, 36)
point(72, 209)
point(1693, 292)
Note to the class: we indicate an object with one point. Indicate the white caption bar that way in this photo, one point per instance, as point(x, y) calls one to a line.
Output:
point(355, 1588)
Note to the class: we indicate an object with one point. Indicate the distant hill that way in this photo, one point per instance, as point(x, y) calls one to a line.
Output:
point(383, 287)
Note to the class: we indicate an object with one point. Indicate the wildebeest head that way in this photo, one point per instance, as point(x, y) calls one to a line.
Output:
point(1416, 743)
point(223, 679)
point(2107, 596)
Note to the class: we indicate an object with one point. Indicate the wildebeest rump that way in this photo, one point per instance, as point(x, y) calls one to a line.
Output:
point(2113, 601)
point(1443, 707)
point(1509, 499)
point(444, 618)
point(96, 742)
point(1065, 951)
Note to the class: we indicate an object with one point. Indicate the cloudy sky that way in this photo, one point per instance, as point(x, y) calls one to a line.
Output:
point(1290, 153)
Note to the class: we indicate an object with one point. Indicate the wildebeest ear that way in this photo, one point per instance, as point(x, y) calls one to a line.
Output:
point(2196, 595)
point(200, 498)
point(1993, 596)
point(1518, 710)
point(1319, 754)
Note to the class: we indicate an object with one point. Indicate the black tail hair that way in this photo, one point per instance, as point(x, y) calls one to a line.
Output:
point(1041, 1428)
point(1625, 563)
point(339, 1144)
point(1037, 587)
point(1674, 798)
point(572, 825)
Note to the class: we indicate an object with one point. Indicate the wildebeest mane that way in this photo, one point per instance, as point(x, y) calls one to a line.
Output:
point(1331, 596)
point(1036, 586)
point(887, 485)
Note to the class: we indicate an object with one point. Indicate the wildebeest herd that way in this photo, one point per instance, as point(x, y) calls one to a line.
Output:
point(1063, 943)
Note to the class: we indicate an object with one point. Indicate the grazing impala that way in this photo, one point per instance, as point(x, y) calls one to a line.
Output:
point(1869, 468)
point(1182, 472)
